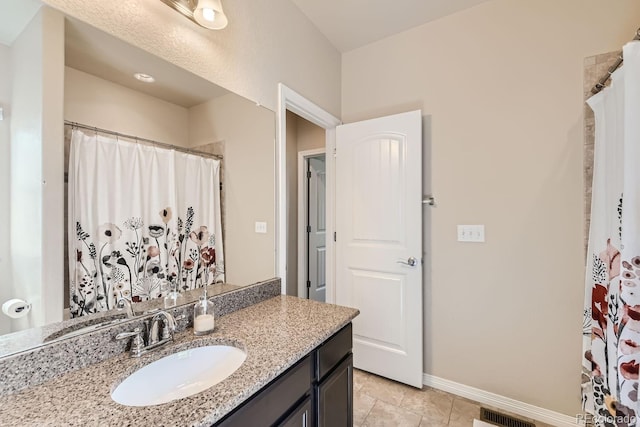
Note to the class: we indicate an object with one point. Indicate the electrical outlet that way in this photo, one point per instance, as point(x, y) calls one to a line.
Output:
point(471, 233)
point(261, 227)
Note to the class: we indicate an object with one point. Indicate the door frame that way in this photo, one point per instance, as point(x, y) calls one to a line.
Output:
point(302, 214)
point(288, 99)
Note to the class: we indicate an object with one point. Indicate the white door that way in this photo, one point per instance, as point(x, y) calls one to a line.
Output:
point(317, 228)
point(379, 242)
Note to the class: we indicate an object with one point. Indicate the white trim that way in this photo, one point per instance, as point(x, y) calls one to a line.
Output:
point(501, 402)
point(330, 164)
point(296, 103)
point(302, 208)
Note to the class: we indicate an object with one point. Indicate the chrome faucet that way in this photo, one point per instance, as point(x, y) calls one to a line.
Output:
point(157, 335)
point(125, 304)
point(168, 327)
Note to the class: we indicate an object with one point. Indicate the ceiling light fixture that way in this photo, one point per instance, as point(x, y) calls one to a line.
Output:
point(209, 14)
point(206, 13)
point(144, 77)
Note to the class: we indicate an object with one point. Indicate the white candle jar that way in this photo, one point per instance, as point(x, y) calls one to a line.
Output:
point(203, 317)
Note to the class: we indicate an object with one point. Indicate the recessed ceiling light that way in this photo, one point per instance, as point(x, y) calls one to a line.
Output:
point(144, 77)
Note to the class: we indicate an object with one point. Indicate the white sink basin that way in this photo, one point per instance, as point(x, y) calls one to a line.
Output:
point(179, 375)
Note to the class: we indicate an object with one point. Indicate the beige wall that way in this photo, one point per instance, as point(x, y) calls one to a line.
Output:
point(266, 42)
point(5, 177)
point(96, 102)
point(248, 132)
point(37, 61)
point(309, 135)
point(502, 84)
point(52, 162)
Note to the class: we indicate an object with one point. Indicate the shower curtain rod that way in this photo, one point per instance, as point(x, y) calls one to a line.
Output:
point(600, 85)
point(137, 139)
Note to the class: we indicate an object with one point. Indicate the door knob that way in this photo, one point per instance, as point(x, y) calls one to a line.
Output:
point(411, 262)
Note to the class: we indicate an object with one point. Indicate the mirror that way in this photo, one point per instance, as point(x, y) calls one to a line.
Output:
point(88, 79)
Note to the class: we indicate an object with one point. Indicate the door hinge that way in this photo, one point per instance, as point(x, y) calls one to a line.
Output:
point(308, 229)
point(334, 236)
point(309, 174)
point(220, 186)
point(308, 283)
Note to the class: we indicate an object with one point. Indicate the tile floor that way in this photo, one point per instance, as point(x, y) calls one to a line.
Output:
point(379, 402)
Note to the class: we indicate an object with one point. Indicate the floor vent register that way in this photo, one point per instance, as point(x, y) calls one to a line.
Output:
point(502, 420)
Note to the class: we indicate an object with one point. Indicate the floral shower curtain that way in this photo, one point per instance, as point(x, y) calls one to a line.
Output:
point(612, 311)
point(142, 220)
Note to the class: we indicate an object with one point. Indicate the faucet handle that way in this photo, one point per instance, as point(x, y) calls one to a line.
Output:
point(137, 343)
point(123, 335)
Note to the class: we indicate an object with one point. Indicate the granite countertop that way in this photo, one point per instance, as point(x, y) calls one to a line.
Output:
point(275, 334)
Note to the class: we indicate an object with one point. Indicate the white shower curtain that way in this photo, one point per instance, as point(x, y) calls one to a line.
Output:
point(611, 336)
point(142, 220)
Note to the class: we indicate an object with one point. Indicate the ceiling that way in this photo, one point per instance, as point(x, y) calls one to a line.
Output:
point(349, 24)
point(95, 52)
point(14, 16)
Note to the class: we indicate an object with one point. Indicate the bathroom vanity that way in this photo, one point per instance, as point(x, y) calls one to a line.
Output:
point(297, 372)
point(316, 391)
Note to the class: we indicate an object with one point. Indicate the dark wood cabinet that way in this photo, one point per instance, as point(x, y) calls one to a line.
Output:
point(334, 397)
point(276, 399)
point(302, 416)
point(315, 392)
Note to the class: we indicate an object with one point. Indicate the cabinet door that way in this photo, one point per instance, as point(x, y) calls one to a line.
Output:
point(334, 397)
point(301, 416)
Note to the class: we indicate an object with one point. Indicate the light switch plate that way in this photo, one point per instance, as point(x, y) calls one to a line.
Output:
point(261, 227)
point(471, 233)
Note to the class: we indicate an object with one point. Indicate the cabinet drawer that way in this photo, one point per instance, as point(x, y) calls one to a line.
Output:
point(332, 351)
point(276, 399)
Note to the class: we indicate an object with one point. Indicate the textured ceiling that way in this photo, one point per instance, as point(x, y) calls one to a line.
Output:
point(100, 54)
point(349, 24)
point(95, 52)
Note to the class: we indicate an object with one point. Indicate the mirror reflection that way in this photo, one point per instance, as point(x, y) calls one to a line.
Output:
point(115, 188)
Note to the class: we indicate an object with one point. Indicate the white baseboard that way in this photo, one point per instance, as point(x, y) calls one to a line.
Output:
point(500, 402)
